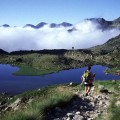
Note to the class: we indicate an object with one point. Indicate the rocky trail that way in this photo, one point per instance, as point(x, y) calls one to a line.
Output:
point(82, 107)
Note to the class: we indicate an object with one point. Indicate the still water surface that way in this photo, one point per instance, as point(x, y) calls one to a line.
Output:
point(18, 84)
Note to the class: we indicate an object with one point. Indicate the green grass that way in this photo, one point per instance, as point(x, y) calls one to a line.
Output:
point(113, 70)
point(113, 111)
point(44, 100)
point(30, 71)
point(108, 84)
point(38, 108)
point(37, 64)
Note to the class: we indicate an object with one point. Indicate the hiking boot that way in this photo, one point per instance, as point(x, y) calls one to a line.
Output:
point(86, 94)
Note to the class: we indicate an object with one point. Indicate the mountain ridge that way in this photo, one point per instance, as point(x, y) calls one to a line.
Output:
point(103, 24)
point(110, 46)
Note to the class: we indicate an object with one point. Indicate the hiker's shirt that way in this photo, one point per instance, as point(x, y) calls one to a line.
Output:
point(90, 79)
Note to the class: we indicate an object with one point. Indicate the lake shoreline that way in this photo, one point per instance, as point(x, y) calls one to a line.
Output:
point(18, 84)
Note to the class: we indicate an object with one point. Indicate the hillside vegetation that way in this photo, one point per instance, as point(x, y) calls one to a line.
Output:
point(111, 46)
point(109, 54)
point(65, 101)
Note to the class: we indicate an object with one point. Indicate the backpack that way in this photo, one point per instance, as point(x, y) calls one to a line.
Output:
point(87, 76)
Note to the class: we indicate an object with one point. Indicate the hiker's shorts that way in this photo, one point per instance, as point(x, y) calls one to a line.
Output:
point(88, 84)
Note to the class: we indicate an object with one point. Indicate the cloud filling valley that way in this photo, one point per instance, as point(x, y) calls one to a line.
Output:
point(85, 35)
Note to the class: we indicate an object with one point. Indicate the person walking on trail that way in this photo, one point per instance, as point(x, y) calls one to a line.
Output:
point(87, 79)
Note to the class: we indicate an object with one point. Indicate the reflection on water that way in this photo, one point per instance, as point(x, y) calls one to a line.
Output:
point(18, 84)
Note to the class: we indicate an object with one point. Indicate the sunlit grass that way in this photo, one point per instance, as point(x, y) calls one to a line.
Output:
point(44, 100)
point(30, 71)
point(59, 95)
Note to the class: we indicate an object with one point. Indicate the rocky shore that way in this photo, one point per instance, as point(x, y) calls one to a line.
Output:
point(4, 98)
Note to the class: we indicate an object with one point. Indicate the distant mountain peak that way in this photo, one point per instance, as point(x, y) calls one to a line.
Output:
point(29, 25)
point(65, 24)
point(41, 24)
point(5, 25)
point(98, 20)
point(102, 23)
point(53, 25)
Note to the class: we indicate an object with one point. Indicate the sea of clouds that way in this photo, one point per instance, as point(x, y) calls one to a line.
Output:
point(86, 35)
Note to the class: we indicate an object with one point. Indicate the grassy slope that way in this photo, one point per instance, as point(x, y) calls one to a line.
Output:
point(109, 46)
point(113, 112)
point(37, 64)
point(45, 99)
point(48, 98)
point(109, 53)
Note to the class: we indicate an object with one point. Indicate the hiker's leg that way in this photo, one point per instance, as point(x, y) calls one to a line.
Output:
point(86, 89)
point(89, 88)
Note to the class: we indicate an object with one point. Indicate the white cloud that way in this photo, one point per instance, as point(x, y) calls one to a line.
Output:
point(86, 35)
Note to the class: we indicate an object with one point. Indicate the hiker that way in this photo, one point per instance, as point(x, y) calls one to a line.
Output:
point(87, 79)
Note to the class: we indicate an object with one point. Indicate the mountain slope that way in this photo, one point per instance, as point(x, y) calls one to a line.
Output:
point(110, 46)
point(116, 23)
point(102, 23)
point(3, 52)
point(108, 54)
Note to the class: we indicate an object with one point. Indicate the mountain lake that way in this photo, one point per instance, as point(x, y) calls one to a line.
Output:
point(18, 84)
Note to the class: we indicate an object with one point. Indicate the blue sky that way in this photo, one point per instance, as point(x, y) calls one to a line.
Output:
point(20, 12)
